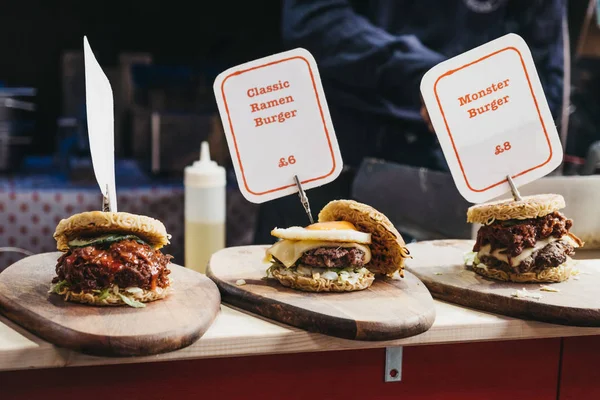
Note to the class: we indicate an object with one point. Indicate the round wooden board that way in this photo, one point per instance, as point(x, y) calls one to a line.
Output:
point(389, 309)
point(440, 265)
point(164, 325)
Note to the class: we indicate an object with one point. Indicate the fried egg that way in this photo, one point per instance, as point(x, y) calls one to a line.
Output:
point(334, 231)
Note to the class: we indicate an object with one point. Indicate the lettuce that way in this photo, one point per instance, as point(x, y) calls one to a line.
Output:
point(470, 258)
point(269, 271)
point(104, 294)
point(104, 239)
point(57, 288)
point(131, 302)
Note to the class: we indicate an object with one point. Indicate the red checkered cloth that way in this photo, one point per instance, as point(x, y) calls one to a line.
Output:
point(28, 217)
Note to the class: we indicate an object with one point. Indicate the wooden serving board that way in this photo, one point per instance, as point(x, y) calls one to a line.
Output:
point(164, 325)
point(440, 265)
point(389, 309)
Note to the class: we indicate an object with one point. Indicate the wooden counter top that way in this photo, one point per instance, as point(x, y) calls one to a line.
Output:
point(236, 333)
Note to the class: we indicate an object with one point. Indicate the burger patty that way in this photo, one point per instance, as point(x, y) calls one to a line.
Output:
point(516, 235)
point(333, 257)
point(126, 263)
point(550, 256)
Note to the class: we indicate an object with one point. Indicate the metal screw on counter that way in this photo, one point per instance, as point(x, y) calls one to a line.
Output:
point(393, 364)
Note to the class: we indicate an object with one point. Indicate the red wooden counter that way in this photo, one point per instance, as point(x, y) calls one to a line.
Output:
point(465, 355)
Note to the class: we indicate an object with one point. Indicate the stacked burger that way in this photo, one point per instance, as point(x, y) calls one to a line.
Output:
point(111, 259)
point(341, 253)
point(524, 240)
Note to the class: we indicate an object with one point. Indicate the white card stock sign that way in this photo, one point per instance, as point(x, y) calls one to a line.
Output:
point(277, 125)
point(492, 119)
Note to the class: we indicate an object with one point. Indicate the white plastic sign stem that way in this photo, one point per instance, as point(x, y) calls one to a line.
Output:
point(489, 111)
point(277, 125)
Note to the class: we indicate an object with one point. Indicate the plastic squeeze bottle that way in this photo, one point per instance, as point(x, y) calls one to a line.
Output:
point(205, 211)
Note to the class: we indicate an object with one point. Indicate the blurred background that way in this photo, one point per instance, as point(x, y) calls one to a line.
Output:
point(162, 57)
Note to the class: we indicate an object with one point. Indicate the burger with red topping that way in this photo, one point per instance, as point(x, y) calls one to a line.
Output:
point(111, 259)
point(526, 240)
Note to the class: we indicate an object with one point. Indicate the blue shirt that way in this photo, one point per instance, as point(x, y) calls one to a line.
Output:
point(373, 54)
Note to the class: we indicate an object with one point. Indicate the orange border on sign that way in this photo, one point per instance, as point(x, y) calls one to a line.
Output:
point(450, 133)
point(233, 133)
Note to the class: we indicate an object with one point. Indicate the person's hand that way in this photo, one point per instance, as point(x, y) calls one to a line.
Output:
point(425, 116)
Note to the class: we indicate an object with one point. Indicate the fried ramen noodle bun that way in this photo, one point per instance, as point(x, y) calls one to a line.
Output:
point(112, 296)
point(524, 241)
point(95, 223)
point(387, 245)
point(530, 207)
point(318, 284)
point(549, 275)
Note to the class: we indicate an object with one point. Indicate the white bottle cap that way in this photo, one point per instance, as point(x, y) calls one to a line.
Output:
point(205, 172)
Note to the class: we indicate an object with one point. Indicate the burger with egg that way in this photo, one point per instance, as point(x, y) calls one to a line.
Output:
point(524, 240)
point(341, 253)
point(111, 259)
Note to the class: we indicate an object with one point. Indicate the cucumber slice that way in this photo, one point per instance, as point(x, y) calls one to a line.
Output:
point(104, 239)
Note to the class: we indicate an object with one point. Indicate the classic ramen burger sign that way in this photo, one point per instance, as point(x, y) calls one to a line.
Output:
point(277, 125)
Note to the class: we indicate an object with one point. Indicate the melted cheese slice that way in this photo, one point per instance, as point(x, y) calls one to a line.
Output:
point(289, 251)
point(540, 244)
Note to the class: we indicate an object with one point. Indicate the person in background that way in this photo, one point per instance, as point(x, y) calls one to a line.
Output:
point(372, 56)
